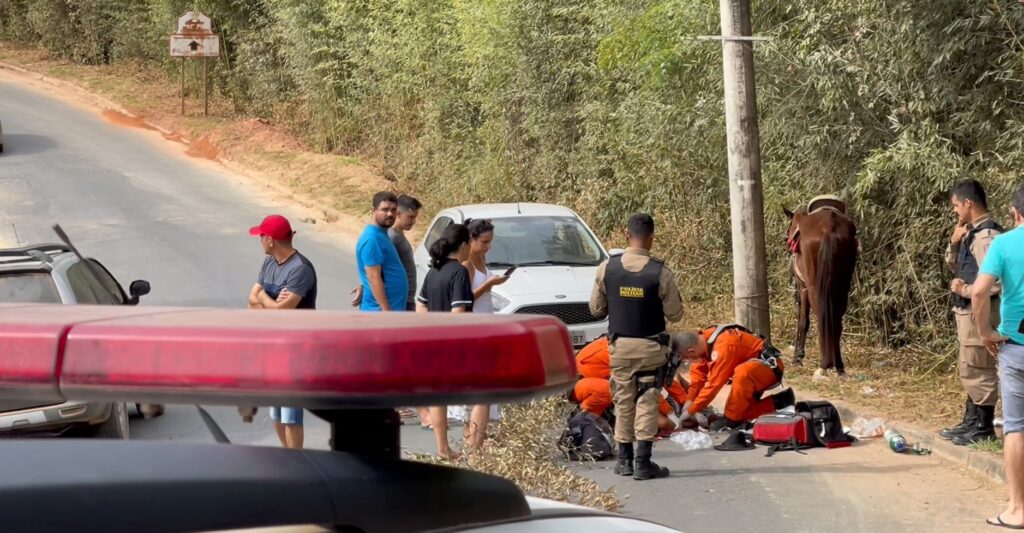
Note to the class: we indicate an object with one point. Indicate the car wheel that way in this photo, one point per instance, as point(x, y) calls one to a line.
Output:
point(115, 426)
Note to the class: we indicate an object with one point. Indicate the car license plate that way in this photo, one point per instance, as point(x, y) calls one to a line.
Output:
point(578, 339)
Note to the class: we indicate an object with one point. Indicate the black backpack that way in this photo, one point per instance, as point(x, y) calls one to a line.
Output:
point(827, 429)
point(587, 437)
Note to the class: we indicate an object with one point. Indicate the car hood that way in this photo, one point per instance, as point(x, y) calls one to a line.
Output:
point(571, 282)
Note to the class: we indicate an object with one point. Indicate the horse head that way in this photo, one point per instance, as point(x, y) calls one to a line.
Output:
point(793, 233)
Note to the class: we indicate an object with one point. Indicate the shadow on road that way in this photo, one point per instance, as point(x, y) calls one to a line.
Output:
point(26, 144)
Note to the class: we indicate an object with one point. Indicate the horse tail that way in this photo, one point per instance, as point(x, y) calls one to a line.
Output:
point(837, 257)
point(828, 321)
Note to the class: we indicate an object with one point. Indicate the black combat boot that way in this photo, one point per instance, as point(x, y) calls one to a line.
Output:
point(983, 430)
point(625, 466)
point(965, 425)
point(784, 399)
point(645, 469)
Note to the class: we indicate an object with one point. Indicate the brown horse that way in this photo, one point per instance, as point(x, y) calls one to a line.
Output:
point(823, 241)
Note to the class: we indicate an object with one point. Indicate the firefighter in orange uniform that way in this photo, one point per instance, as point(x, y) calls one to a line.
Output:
point(719, 353)
point(593, 391)
point(593, 395)
point(592, 361)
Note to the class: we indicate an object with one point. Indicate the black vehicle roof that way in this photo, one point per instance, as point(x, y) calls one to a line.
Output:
point(133, 486)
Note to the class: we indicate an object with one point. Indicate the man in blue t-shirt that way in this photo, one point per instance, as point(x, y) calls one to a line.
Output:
point(287, 280)
point(381, 273)
point(1005, 263)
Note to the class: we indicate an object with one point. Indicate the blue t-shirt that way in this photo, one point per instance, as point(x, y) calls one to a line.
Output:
point(1005, 261)
point(296, 274)
point(374, 248)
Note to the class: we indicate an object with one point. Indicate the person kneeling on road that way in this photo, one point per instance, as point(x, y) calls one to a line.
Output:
point(719, 353)
point(593, 395)
point(593, 390)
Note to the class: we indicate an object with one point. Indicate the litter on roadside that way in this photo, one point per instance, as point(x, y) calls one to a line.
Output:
point(692, 440)
point(863, 428)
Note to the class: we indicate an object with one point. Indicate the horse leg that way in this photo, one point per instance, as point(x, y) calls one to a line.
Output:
point(825, 342)
point(840, 368)
point(803, 323)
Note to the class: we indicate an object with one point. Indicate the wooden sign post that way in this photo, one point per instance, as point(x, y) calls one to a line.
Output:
point(195, 38)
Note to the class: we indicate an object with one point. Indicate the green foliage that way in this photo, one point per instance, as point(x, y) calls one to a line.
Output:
point(613, 106)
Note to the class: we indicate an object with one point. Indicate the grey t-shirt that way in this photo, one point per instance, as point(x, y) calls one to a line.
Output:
point(296, 274)
point(405, 254)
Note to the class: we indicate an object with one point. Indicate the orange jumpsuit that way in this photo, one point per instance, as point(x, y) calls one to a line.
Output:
point(734, 355)
point(594, 395)
point(593, 360)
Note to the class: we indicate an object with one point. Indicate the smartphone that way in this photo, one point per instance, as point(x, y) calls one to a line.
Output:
point(509, 272)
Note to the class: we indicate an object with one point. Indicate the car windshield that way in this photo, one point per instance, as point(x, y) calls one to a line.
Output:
point(28, 287)
point(543, 241)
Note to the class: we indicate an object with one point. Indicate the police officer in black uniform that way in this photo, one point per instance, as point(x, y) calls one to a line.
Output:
point(639, 295)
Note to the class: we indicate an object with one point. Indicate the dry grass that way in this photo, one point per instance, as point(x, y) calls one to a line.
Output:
point(910, 385)
point(524, 449)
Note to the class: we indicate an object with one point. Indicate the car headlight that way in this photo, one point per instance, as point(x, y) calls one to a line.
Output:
point(499, 302)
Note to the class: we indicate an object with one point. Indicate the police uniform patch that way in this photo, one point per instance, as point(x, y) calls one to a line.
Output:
point(631, 292)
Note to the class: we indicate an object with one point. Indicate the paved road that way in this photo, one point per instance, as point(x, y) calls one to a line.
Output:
point(133, 201)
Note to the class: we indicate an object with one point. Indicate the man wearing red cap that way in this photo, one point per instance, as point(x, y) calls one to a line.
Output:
point(287, 280)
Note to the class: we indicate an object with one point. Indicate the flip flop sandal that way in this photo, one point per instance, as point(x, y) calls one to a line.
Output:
point(999, 523)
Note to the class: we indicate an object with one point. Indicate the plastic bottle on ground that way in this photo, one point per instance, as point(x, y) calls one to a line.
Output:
point(896, 441)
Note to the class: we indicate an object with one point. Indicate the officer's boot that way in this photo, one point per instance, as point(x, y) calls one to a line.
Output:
point(983, 430)
point(784, 399)
point(969, 421)
point(645, 468)
point(625, 466)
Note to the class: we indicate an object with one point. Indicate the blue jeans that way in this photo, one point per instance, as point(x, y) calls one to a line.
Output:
point(287, 415)
point(1011, 386)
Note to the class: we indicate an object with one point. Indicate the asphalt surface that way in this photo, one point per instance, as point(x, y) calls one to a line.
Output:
point(133, 201)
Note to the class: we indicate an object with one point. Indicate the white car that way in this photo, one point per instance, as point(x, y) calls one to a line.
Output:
point(557, 257)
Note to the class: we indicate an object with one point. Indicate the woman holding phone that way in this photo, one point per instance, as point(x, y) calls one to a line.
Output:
point(446, 289)
point(481, 235)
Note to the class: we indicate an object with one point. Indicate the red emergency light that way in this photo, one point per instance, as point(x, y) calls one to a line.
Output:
point(312, 359)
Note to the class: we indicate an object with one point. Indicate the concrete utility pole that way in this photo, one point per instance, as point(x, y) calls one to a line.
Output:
point(746, 200)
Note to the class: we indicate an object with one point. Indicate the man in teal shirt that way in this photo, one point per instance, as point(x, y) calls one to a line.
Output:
point(1005, 263)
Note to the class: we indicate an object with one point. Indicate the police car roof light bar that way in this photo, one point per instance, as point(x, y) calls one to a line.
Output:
point(316, 360)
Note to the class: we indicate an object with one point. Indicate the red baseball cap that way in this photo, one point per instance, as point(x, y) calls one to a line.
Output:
point(274, 226)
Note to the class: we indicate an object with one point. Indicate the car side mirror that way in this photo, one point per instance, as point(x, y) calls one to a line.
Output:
point(136, 290)
point(616, 251)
